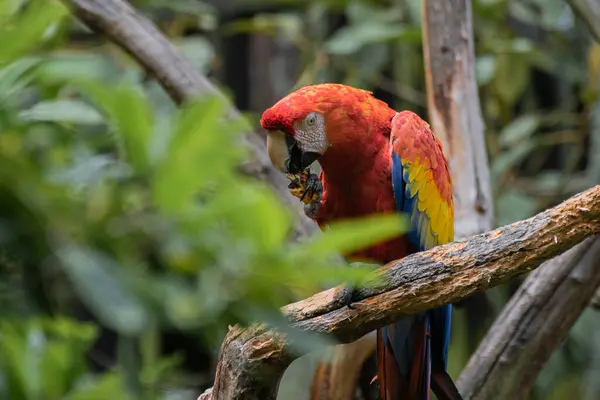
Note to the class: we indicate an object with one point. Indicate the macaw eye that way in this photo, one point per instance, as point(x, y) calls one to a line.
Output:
point(311, 119)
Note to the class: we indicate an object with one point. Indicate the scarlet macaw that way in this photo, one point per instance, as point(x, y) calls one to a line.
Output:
point(375, 160)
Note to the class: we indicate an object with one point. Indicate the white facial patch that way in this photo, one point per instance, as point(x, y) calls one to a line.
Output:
point(310, 134)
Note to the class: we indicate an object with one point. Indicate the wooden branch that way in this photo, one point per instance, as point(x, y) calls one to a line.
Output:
point(341, 372)
point(455, 112)
point(252, 360)
point(456, 117)
point(595, 303)
point(534, 322)
point(589, 12)
point(137, 35)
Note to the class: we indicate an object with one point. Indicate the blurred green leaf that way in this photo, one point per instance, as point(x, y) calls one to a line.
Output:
point(194, 159)
point(199, 51)
point(103, 292)
point(63, 111)
point(66, 66)
point(519, 130)
point(131, 116)
point(250, 206)
point(8, 9)
point(22, 352)
point(34, 25)
point(512, 157)
point(352, 235)
point(14, 77)
point(360, 11)
point(485, 69)
point(514, 206)
point(107, 386)
point(193, 7)
point(511, 78)
point(350, 39)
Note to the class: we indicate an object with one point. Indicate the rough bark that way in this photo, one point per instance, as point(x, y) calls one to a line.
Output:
point(137, 35)
point(337, 378)
point(539, 316)
point(535, 321)
point(252, 360)
point(596, 300)
point(589, 12)
point(455, 112)
point(455, 115)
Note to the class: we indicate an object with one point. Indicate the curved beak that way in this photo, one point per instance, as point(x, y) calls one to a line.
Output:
point(285, 154)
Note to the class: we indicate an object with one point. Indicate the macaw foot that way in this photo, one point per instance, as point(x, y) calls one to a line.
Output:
point(309, 189)
point(349, 295)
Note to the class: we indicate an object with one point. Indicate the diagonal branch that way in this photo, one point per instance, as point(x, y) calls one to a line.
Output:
point(137, 35)
point(589, 12)
point(540, 315)
point(595, 303)
point(533, 323)
point(123, 25)
point(252, 360)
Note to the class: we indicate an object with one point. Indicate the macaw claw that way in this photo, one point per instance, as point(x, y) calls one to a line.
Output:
point(349, 294)
point(308, 188)
point(313, 189)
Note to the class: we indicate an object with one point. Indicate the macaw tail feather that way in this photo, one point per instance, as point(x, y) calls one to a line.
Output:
point(391, 383)
point(443, 386)
point(406, 367)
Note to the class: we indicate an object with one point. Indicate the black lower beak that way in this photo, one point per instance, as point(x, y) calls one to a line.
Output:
point(298, 160)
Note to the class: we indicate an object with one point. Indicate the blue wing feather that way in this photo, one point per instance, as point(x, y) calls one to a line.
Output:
point(438, 319)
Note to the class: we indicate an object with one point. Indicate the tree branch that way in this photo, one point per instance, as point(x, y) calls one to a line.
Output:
point(533, 323)
point(596, 300)
point(252, 360)
point(455, 112)
point(589, 12)
point(456, 118)
point(137, 35)
point(338, 377)
point(539, 316)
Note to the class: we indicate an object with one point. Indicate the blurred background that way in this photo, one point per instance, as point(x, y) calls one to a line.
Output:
point(128, 240)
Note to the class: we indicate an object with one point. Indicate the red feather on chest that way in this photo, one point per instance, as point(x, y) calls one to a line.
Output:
point(358, 188)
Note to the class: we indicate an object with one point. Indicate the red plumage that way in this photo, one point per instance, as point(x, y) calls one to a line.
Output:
point(356, 179)
point(357, 174)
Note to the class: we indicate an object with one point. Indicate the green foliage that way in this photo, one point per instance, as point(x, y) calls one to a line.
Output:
point(113, 199)
point(137, 212)
point(536, 150)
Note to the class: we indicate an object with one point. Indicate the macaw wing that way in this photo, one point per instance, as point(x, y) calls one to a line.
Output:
point(421, 181)
point(423, 190)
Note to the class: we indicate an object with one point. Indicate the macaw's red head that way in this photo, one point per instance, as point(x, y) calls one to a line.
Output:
point(322, 118)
